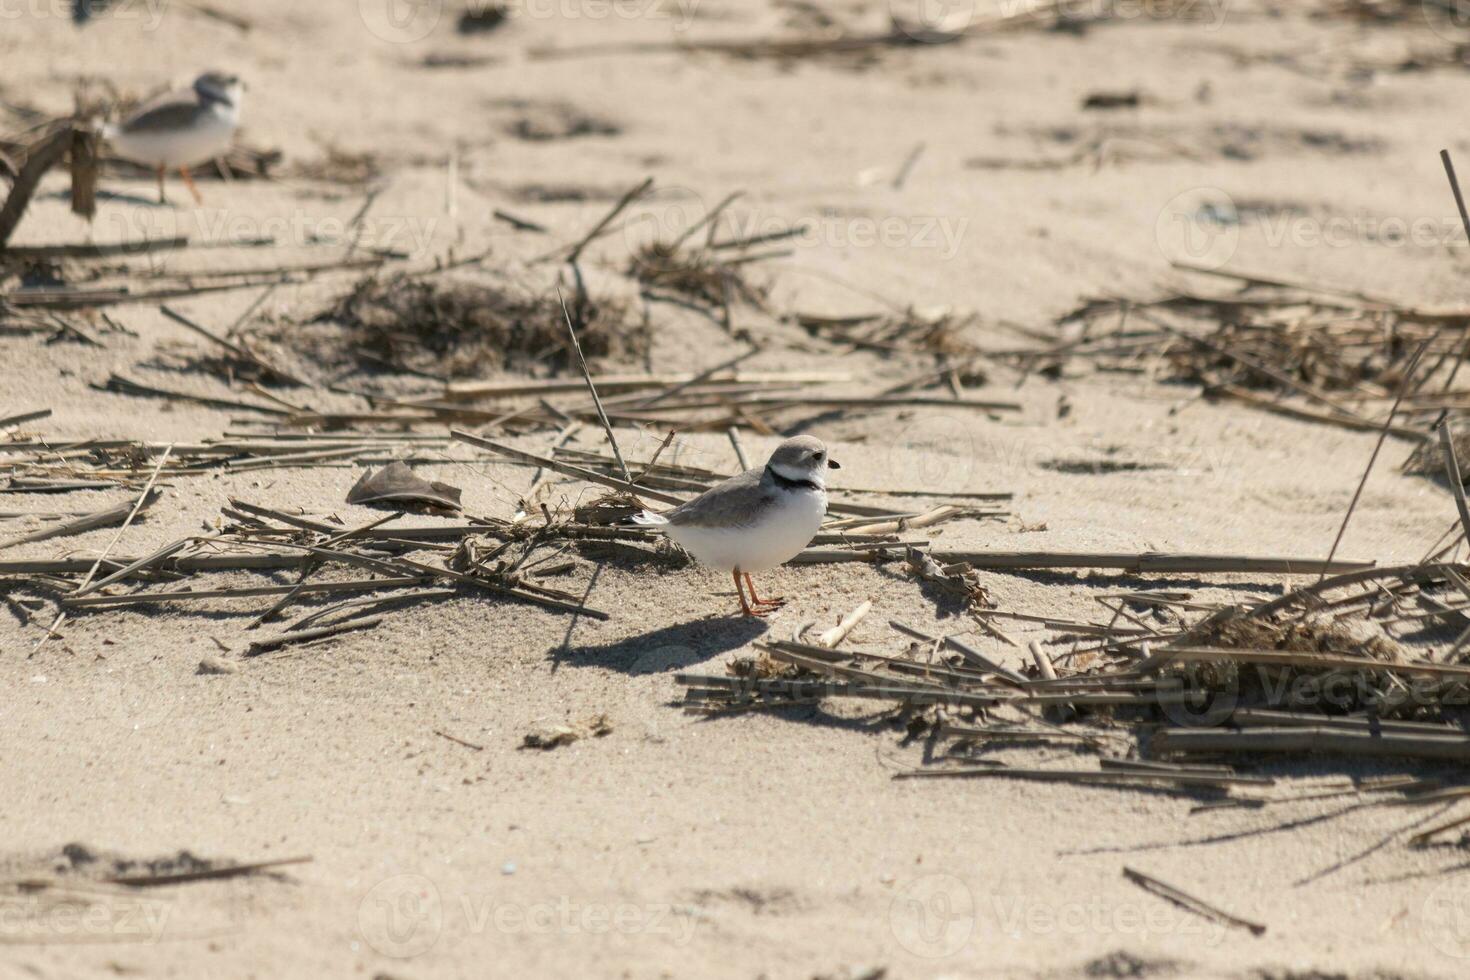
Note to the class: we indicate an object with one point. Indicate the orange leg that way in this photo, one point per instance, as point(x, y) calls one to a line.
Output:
point(773, 603)
point(189, 180)
point(161, 198)
point(744, 606)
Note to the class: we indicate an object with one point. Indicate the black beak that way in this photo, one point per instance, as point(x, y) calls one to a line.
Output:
point(832, 464)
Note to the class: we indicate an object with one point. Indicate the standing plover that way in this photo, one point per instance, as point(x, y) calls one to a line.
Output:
point(182, 127)
point(756, 520)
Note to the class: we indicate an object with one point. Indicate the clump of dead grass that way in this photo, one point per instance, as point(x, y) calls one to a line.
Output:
point(1314, 634)
point(1427, 459)
point(763, 667)
point(454, 327)
point(932, 331)
point(693, 273)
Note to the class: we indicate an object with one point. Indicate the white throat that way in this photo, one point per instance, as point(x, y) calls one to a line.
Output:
point(814, 476)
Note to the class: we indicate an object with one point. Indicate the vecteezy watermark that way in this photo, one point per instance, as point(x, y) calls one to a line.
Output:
point(679, 215)
point(1096, 915)
point(401, 916)
point(404, 916)
point(564, 916)
point(404, 21)
point(679, 13)
point(933, 916)
point(1210, 13)
point(1200, 227)
point(135, 698)
point(407, 21)
point(1203, 227)
point(938, 915)
point(1280, 230)
point(1444, 921)
point(43, 918)
point(932, 451)
point(148, 13)
point(931, 21)
point(413, 234)
point(1450, 19)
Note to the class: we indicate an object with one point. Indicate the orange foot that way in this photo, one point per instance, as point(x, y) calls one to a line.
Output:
point(757, 607)
point(776, 602)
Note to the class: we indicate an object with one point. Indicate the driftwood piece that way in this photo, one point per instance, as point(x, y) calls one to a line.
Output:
point(103, 518)
point(1150, 562)
point(1302, 740)
point(41, 157)
point(258, 647)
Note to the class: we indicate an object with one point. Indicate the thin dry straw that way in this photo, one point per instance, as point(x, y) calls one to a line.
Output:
point(596, 400)
point(1190, 903)
point(1449, 169)
point(1377, 447)
point(1452, 472)
point(92, 572)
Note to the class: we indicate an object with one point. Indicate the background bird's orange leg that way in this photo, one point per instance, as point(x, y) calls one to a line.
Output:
point(189, 180)
point(773, 603)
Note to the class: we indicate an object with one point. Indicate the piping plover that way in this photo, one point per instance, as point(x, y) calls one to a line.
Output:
point(182, 127)
point(756, 520)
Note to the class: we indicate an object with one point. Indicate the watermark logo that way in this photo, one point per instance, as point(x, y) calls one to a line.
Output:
point(1095, 914)
point(1210, 13)
point(1199, 227)
point(148, 13)
point(1200, 695)
point(402, 916)
point(135, 698)
point(678, 215)
point(400, 21)
point(669, 214)
point(1445, 922)
point(929, 21)
point(680, 12)
point(933, 451)
point(1450, 19)
point(933, 916)
point(411, 234)
point(43, 918)
point(565, 917)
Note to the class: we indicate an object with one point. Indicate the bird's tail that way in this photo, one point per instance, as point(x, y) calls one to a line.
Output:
point(648, 518)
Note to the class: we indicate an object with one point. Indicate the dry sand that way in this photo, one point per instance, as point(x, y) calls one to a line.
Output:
point(758, 845)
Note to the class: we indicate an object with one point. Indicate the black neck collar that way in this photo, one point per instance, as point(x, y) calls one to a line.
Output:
point(216, 97)
point(786, 483)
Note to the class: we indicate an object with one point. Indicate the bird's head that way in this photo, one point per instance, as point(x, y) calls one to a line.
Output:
point(803, 458)
point(220, 87)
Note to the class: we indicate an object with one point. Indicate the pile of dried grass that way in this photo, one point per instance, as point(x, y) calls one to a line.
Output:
point(457, 327)
point(1321, 634)
point(693, 273)
point(935, 331)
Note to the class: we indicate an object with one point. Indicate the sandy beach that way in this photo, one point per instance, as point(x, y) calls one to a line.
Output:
point(989, 182)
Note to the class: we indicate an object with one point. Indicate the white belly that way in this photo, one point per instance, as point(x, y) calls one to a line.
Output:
point(783, 532)
point(209, 138)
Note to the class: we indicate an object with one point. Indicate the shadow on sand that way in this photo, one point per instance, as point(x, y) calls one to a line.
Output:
point(667, 648)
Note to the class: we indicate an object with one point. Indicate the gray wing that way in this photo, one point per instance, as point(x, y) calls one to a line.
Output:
point(174, 110)
point(734, 503)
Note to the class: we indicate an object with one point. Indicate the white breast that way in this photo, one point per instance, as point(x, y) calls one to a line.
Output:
point(782, 532)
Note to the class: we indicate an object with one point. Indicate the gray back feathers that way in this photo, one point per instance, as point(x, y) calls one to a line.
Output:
point(737, 502)
point(168, 113)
